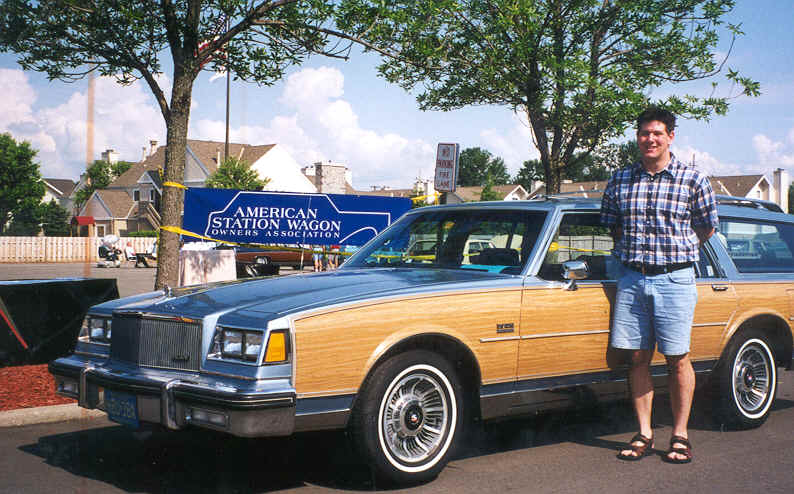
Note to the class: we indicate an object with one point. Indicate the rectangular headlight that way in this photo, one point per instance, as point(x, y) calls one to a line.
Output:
point(237, 344)
point(253, 345)
point(96, 329)
point(232, 343)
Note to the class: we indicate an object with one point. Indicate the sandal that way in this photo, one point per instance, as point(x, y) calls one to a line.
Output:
point(685, 450)
point(640, 450)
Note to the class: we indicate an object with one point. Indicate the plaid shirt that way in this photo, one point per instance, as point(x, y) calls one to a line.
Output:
point(656, 214)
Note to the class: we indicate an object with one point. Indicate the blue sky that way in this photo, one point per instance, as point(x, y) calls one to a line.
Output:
point(341, 111)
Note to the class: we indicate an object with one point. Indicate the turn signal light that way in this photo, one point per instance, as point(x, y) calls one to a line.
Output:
point(276, 347)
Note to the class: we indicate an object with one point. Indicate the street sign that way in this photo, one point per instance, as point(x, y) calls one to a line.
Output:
point(446, 167)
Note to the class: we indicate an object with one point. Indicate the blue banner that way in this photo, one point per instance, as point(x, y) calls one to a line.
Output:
point(289, 218)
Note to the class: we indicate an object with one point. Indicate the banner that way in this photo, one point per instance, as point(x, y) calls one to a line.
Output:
point(289, 218)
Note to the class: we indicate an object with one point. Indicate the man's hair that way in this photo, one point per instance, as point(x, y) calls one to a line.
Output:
point(656, 114)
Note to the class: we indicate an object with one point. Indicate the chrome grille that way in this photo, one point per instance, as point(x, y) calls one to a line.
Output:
point(160, 343)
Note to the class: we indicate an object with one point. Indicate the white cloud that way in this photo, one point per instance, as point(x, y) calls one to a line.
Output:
point(514, 146)
point(125, 118)
point(774, 153)
point(706, 162)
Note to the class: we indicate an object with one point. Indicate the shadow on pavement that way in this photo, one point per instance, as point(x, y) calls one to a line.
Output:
point(204, 461)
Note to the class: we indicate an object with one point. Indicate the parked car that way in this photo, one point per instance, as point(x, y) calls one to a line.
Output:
point(253, 261)
point(406, 354)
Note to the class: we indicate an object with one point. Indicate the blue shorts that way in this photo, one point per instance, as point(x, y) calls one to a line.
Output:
point(654, 311)
point(316, 257)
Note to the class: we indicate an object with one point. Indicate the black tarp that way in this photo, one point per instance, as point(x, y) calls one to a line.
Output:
point(40, 319)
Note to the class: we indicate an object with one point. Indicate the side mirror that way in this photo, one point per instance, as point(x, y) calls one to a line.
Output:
point(574, 270)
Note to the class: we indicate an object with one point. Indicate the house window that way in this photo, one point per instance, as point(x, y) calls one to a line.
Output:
point(136, 195)
point(100, 230)
point(151, 195)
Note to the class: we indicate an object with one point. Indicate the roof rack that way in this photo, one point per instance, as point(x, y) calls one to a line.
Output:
point(567, 195)
point(748, 202)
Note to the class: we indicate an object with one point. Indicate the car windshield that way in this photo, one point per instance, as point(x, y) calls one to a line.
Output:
point(492, 240)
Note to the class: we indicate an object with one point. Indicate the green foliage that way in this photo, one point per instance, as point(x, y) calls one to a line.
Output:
point(476, 165)
point(488, 194)
point(21, 188)
point(143, 233)
point(54, 219)
point(235, 174)
point(580, 71)
point(101, 174)
point(26, 221)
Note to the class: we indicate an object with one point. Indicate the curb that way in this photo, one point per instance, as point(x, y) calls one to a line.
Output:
point(46, 415)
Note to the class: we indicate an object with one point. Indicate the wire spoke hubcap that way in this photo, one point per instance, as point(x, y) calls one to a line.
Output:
point(415, 417)
point(751, 378)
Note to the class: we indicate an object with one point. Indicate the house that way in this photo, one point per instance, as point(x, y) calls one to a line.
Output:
point(509, 192)
point(132, 201)
point(59, 190)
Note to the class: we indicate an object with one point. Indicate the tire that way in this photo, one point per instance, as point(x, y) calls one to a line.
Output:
point(251, 271)
point(408, 417)
point(747, 381)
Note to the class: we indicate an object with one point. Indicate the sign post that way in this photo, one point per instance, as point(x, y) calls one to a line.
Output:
point(446, 167)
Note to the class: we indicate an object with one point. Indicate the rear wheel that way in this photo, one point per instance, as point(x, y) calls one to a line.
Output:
point(408, 417)
point(747, 381)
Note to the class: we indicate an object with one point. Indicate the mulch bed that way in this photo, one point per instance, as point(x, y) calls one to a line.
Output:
point(27, 386)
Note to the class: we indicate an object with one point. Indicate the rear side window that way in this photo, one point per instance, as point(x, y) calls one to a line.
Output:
point(758, 247)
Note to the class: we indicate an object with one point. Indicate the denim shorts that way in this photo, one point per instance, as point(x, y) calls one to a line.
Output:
point(654, 311)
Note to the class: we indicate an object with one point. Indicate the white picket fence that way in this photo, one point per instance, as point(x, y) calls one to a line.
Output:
point(62, 249)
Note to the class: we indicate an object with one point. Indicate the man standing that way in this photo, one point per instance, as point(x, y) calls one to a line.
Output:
point(659, 212)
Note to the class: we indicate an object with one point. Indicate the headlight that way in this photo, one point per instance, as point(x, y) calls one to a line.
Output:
point(247, 345)
point(96, 329)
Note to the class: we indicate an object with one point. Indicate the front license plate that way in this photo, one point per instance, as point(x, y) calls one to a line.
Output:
point(122, 407)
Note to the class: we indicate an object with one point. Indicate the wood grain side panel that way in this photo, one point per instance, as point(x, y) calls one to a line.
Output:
point(563, 354)
point(335, 350)
point(760, 298)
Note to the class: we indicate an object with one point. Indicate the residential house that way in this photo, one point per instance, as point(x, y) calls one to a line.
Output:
point(60, 190)
point(509, 192)
point(132, 202)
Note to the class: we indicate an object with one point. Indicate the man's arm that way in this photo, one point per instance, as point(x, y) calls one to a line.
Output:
point(704, 233)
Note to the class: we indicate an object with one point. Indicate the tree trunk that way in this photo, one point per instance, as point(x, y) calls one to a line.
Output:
point(174, 171)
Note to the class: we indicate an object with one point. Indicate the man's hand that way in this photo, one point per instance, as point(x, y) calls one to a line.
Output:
point(703, 233)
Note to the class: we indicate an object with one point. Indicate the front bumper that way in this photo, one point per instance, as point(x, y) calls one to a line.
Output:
point(176, 400)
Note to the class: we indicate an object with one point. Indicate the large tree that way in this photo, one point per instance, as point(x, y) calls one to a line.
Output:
point(21, 188)
point(101, 174)
point(130, 39)
point(579, 70)
point(476, 166)
point(54, 219)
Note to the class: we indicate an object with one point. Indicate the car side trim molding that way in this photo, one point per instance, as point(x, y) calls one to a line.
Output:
point(568, 333)
point(328, 412)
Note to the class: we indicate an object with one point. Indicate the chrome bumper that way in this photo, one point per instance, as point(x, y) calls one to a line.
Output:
point(176, 400)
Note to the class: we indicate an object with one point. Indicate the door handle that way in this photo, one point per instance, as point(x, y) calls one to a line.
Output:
point(719, 288)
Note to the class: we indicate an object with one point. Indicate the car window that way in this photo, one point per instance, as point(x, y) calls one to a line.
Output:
point(485, 240)
point(580, 236)
point(758, 246)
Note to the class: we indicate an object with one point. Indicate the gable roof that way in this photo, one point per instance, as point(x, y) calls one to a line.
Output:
point(382, 192)
point(474, 193)
point(205, 151)
point(63, 186)
point(117, 201)
point(735, 185)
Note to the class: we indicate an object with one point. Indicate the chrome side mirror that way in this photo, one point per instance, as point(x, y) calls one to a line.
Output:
point(574, 270)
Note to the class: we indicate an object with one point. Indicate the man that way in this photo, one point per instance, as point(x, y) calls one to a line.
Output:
point(659, 212)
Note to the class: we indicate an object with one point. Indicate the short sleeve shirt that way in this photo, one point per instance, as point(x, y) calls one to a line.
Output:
point(657, 213)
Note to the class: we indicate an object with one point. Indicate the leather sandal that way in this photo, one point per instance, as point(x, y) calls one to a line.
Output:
point(685, 450)
point(640, 450)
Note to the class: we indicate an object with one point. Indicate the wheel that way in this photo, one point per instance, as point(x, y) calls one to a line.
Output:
point(262, 260)
point(747, 381)
point(251, 271)
point(408, 417)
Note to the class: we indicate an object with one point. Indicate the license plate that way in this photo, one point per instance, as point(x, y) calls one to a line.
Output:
point(122, 407)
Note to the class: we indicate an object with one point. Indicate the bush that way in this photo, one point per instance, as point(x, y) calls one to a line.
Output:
point(142, 233)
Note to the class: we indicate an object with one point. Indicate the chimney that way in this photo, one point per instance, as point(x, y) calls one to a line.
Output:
point(152, 147)
point(143, 153)
point(330, 177)
point(218, 156)
point(781, 183)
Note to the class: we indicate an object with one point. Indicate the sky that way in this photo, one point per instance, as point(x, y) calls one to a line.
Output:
point(332, 110)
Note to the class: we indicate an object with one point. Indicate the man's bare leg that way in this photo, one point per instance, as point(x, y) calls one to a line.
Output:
point(641, 393)
point(682, 389)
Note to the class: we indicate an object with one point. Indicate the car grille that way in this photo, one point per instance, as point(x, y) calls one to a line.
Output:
point(160, 343)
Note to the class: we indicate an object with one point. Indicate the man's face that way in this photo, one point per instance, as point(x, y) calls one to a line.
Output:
point(654, 140)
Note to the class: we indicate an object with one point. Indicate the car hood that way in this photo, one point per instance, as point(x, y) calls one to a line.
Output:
point(287, 294)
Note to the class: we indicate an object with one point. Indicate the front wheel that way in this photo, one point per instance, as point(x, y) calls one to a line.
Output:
point(747, 381)
point(408, 417)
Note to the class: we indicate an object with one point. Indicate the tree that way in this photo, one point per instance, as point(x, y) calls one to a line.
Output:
point(531, 171)
point(236, 174)
point(21, 188)
point(580, 71)
point(488, 194)
point(54, 219)
point(128, 39)
point(101, 174)
point(475, 165)
point(26, 221)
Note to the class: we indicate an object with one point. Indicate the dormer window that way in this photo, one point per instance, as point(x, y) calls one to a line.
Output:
point(136, 195)
point(151, 195)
